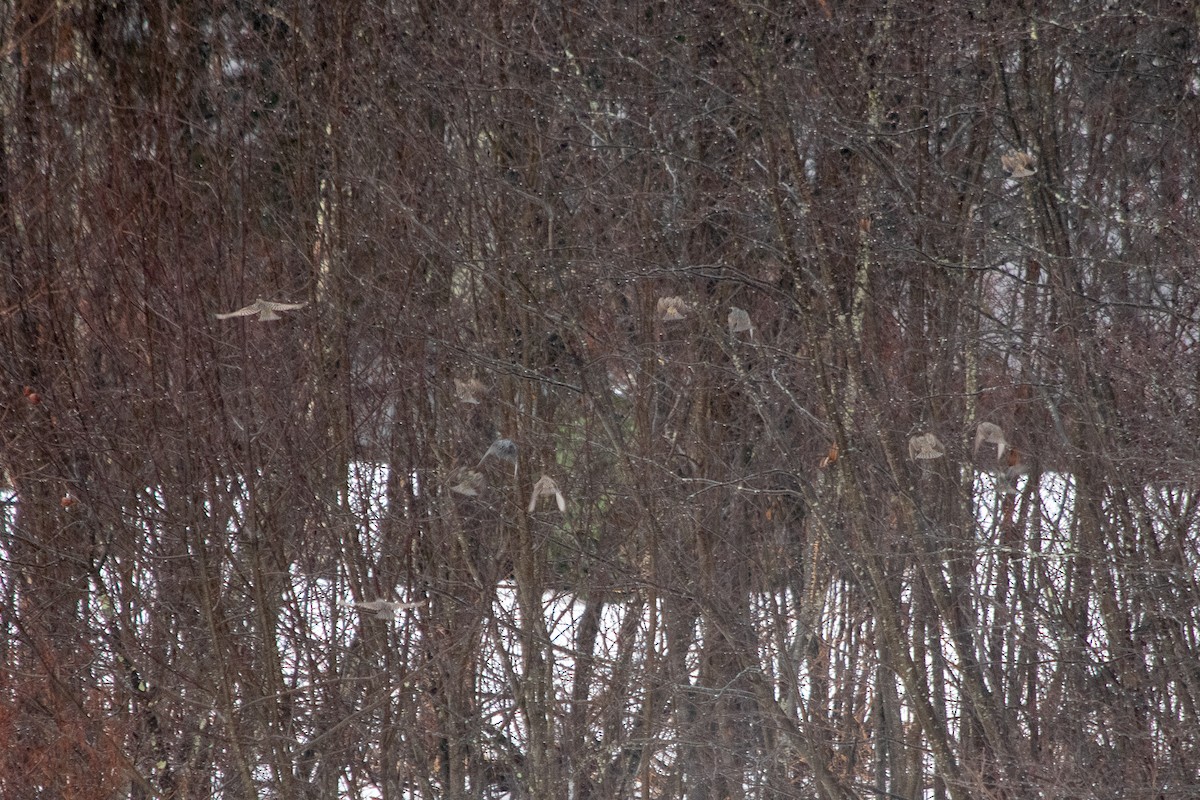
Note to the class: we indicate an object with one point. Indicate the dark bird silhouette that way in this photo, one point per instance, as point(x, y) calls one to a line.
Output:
point(503, 449)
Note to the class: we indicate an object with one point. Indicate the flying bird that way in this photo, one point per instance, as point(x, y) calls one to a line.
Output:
point(266, 310)
point(546, 487)
point(739, 320)
point(503, 449)
point(1018, 164)
point(470, 483)
point(990, 433)
point(1006, 481)
point(673, 309)
point(384, 609)
point(468, 391)
point(925, 446)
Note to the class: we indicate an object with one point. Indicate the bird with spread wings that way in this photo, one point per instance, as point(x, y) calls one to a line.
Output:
point(266, 310)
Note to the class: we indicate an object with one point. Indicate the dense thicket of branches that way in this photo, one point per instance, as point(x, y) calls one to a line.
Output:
point(759, 587)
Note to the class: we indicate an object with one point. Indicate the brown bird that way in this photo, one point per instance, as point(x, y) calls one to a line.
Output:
point(384, 609)
point(264, 308)
point(468, 391)
point(673, 309)
point(471, 483)
point(739, 320)
point(830, 458)
point(546, 487)
point(1016, 468)
point(1018, 164)
point(990, 433)
point(925, 446)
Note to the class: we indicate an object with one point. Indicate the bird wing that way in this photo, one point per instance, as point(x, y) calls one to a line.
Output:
point(470, 484)
point(992, 434)
point(241, 312)
point(547, 487)
point(504, 449)
point(273, 306)
point(926, 446)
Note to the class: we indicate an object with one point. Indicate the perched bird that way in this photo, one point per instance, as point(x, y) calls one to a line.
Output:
point(264, 308)
point(830, 458)
point(990, 433)
point(739, 320)
point(546, 487)
point(1016, 469)
point(384, 609)
point(673, 309)
point(1018, 164)
point(1016, 465)
point(468, 391)
point(470, 483)
point(925, 446)
point(503, 449)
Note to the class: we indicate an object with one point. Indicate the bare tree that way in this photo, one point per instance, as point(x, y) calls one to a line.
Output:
point(743, 402)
